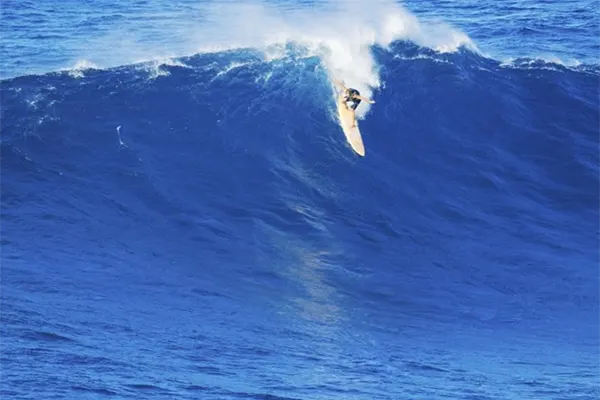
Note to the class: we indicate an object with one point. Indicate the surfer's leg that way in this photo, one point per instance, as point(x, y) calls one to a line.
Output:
point(352, 109)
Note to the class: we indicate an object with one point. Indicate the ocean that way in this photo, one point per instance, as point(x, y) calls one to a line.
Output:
point(182, 217)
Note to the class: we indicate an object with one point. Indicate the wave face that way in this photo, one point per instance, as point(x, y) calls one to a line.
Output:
point(199, 227)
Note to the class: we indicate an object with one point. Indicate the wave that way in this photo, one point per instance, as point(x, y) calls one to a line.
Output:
point(472, 165)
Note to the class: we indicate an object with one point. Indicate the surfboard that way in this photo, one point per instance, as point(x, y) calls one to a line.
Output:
point(352, 133)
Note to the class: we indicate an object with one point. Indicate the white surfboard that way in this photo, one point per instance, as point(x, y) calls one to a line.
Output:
point(352, 133)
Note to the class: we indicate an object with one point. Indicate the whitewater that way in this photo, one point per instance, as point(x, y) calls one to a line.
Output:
point(181, 216)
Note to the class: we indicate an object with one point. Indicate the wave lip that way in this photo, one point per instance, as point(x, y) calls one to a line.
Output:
point(339, 32)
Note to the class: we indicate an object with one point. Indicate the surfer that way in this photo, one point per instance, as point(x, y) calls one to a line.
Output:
point(352, 99)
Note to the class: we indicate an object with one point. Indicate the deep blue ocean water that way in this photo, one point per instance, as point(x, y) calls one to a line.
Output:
point(183, 218)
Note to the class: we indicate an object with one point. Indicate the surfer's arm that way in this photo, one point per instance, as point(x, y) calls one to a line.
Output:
point(339, 85)
point(367, 100)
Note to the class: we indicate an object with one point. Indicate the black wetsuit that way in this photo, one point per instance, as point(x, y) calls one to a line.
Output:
point(351, 98)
